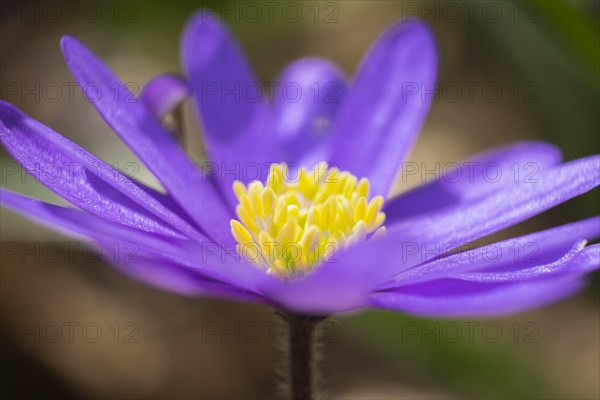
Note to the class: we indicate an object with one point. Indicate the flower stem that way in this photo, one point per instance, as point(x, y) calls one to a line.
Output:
point(301, 357)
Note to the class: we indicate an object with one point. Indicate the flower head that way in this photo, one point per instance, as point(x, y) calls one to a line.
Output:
point(349, 245)
point(290, 226)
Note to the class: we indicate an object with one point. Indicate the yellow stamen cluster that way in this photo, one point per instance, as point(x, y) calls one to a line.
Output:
point(289, 225)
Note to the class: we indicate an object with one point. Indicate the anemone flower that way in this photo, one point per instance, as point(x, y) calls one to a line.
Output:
point(323, 238)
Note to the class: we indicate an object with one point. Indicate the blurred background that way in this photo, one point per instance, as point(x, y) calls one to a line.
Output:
point(72, 327)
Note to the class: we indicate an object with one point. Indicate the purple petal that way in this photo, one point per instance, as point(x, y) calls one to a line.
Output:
point(239, 135)
point(182, 280)
point(163, 93)
point(83, 179)
point(472, 220)
point(308, 96)
point(136, 253)
point(82, 224)
point(166, 201)
point(474, 178)
point(382, 115)
point(577, 262)
point(205, 259)
point(142, 132)
point(455, 298)
point(542, 252)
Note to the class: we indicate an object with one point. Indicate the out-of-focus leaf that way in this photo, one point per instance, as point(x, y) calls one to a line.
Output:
point(554, 47)
point(572, 27)
point(466, 367)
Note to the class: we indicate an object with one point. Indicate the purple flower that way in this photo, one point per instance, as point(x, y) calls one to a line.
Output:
point(184, 241)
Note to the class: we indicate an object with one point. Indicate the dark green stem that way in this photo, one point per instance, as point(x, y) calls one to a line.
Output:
point(301, 356)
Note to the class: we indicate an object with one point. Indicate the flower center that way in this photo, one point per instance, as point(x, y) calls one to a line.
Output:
point(290, 224)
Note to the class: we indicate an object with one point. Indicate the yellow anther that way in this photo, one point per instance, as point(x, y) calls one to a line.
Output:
point(359, 232)
point(307, 184)
point(268, 199)
point(363, 187)
point(379, 220)
point(247, 219)
point(240, 233)
point(293, 210)
point(312, 216)
point(246, 204)
point(319, 172)
point(310, 242)
point(275, 179)
point(331, 176)
point(294, 221)
point(239, 189)
point(350, 185)
point(280, 214)
point(267, 246)
point(292, 198)
point(256, 187)
point(360, 209)
point(332, 210)
point(374, 207)
point(255, 192)
point(289, 232)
